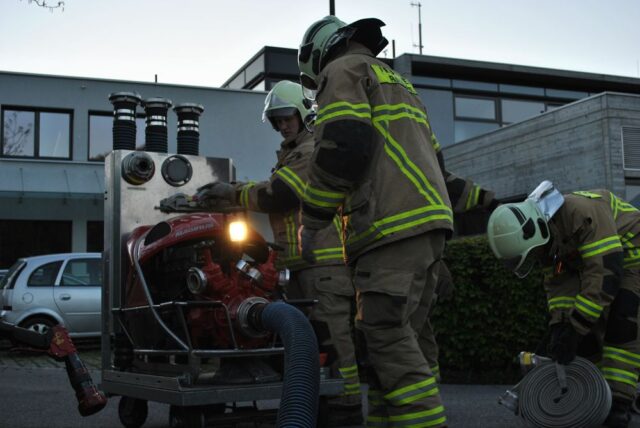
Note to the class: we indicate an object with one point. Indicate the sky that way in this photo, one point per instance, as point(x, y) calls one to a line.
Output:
point(203, 42)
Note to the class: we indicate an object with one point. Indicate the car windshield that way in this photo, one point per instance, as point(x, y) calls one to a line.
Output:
point(8, 279)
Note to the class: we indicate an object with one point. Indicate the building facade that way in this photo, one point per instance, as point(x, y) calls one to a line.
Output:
point(56, 131)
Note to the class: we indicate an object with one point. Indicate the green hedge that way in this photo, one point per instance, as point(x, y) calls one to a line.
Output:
point(491, 316)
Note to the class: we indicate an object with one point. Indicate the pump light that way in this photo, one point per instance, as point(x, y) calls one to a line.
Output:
point(237, 231)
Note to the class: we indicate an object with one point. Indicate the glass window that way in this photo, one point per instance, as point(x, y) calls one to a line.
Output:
point(101, 135)
point(516, 110)
point(44, 275)
point(82, 272)
point(54, 135)
point(95, 236)
point(23, 238)
point(467, 129)
point(562, 93)
point(477, 108)
point(478, 86)
point(524, 90)
point(36, 133)
point(18, 133)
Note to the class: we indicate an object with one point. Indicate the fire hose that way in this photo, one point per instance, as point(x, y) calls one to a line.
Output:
point(552, 395)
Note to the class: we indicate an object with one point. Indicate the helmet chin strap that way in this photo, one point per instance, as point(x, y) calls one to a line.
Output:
point(547, 198)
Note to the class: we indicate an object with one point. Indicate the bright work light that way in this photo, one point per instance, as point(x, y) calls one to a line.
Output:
point(237, 231)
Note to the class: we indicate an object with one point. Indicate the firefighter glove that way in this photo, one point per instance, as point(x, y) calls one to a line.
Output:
point(306, 238)
point(564, 342)
point(213, 193)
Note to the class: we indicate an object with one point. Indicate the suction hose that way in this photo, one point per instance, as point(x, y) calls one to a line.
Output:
point(552, 395)
point(301, 385)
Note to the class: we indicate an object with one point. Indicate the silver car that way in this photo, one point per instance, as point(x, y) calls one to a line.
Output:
point(42, 291)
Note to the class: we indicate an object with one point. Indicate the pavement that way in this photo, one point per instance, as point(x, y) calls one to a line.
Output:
point(34, 392)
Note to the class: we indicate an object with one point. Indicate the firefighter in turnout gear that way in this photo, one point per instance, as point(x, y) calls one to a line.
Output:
point(328, 279)
point(589, 243)
point(374, 162)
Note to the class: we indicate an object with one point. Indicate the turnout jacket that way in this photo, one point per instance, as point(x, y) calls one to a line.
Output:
point(374, 156)
point(280, 197)
point(595, 235)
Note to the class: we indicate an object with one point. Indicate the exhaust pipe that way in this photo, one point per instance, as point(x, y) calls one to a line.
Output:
point(156, 130)
point(188, 128)
point(124, 119)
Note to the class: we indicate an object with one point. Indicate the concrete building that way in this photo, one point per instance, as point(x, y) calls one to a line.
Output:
point(56, 131)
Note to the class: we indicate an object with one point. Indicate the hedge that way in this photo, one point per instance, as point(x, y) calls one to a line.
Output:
point(491, 316)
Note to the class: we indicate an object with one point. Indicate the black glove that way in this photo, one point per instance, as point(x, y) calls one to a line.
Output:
point(213, 193)
point(564, 342)
point(306, 239)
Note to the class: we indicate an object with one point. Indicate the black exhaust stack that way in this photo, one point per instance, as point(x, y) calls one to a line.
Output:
point(156, 129)
point(124, 119)
point(188, 128)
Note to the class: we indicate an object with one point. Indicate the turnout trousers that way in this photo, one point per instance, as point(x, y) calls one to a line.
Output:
point(614, 341)
point(391, 282)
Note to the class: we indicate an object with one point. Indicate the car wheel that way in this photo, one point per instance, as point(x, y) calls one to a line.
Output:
point(38, 324)
point(132, 412)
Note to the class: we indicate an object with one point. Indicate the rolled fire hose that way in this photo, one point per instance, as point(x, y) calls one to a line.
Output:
point(552, 395)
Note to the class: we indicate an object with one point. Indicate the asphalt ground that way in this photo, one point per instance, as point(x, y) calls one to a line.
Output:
point(35, 392)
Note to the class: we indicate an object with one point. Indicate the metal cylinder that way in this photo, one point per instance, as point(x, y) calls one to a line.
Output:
point(156, 130)
point(124, 119)
point(188, 128)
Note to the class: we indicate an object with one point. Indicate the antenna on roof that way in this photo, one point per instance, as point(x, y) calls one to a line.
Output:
point(419, 5)
point(332, 7)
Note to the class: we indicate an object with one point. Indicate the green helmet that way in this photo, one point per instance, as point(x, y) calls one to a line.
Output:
point(285, 99)
point(318, 40)
point(514, 230)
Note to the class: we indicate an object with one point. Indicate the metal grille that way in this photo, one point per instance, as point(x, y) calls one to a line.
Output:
point(631, 148)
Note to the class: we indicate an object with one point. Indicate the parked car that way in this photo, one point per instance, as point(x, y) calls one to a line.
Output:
point(42, 291)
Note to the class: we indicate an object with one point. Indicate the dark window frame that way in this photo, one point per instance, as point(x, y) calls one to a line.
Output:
point(496, 108)
point(36, 130)
point(56, 262)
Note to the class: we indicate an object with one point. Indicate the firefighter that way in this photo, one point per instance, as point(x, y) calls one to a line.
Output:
point(466, 198)
point(375, 163)
point(328, 280)
point(589, 241)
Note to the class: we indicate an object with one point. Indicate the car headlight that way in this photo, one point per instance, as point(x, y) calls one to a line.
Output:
point(238, 231)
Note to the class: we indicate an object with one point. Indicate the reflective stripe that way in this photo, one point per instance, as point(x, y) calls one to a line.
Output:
point(351, 388)
point(589, 195)
point(619, 375)
point(292, 235)
point(588, 307)
point(631, 253)
point(291, 178)
point(395, 151)
point(621, 355)
point(244, 194)
point(387, 75)
point(399, 222)
point(472, 199)
point(599, 247)
point(343, 108)
point(563, 302)
point(614, 205)
point(325, 254)
point(435, 370)
point(348, 372)
point(322, 198)
point(414, 392)
point(426, 418)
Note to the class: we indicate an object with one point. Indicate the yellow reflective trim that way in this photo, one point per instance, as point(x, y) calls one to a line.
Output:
point(473, 197)
point(410, 388)
point(292, 179)
point(244, 194)
point(429, 193)
point(589, 195)
point(343, 113)
point(588, 302)
point(359, 106)
point(386, 75)
point(416, 415)
point(599, 247)
point(624, 355)
point(399, 106)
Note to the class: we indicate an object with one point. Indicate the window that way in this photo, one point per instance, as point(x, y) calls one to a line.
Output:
point(516, 110)
point(36, 133)
point(83, 273)
point(95, 236)
point(23, 238)
point(475, 108)
point(45, 275)
point(101, 134)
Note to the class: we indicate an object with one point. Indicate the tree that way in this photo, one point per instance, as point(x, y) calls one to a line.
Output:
point(51, 5)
